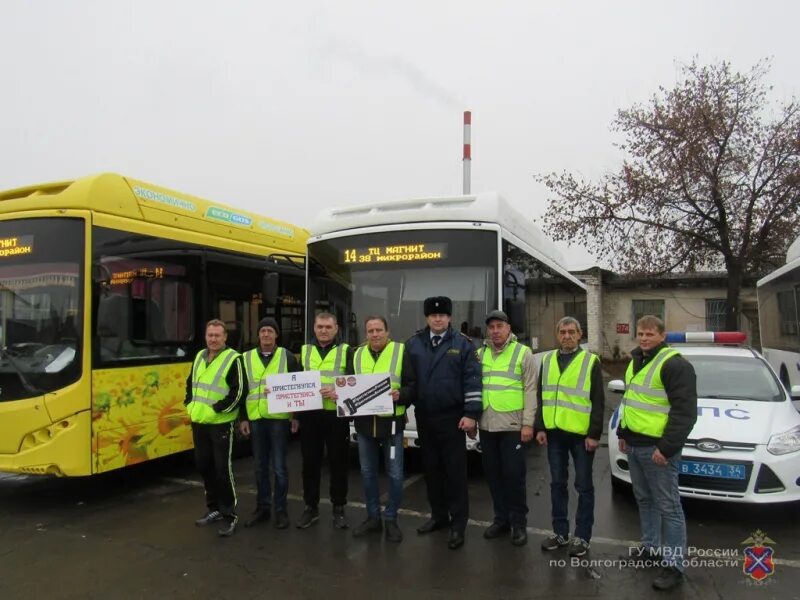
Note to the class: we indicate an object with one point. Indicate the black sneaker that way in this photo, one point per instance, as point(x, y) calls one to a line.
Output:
point(393, 533)
point(554, 542)
point(578, 547)
point(370, 525)
point(211, 517)
point(668, 579)
point(308, 518)
point(281, 520)
point(339, 520)
point(228, 526)
point(261, 515)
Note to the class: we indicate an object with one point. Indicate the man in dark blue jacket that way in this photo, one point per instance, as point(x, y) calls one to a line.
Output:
point(447, 405)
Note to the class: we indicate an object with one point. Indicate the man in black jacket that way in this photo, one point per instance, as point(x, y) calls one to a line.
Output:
point(569, 421)
point(447, 404)
point(375, 433)
point(658, 411)
point(213, 393)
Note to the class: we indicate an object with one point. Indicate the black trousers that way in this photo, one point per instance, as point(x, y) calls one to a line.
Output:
point(504, 467)
point(213, 445)
point(320, 429)
point(444, 455)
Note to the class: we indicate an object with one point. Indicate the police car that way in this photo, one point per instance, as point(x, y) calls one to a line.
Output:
point(745, 446)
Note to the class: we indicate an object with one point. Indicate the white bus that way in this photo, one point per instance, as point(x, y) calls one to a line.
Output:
point(779, 317)
point(385, 259)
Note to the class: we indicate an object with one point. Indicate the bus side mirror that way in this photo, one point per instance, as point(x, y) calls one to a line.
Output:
point(795, 392)
point(616, 386)
point(269, 289)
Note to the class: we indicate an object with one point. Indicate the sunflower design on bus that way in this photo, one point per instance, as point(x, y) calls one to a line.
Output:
point(138, 414)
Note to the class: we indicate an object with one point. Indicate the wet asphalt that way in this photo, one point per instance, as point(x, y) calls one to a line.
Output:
point(131, 534)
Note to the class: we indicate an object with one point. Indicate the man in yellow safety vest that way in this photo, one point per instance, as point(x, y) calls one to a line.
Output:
point(323, 428)
point(657, 414)
point(569, 421)
point(213, 393)
point(506, 425)
point(384, 356)
point(269, 432)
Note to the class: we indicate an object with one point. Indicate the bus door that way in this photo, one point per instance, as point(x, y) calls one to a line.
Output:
point(234, 297)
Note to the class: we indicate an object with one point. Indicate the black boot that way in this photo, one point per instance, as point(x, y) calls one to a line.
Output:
point(259, 516)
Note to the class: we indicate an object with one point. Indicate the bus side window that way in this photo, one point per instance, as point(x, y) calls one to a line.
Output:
point(145, 319)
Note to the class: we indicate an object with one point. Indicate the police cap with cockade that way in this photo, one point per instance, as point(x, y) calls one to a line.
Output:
point(438, 305)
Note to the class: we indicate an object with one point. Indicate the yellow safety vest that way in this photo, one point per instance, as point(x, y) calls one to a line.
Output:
point(645, 407)
point(256, 401)
point(390, 361)
point(503, 388)
point(566, 399)
point(209, 387)
point(333, 366)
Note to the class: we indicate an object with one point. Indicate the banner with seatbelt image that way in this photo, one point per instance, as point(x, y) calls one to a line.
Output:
point(364, 395)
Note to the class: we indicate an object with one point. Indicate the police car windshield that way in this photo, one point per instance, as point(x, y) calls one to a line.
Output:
point(735, 378)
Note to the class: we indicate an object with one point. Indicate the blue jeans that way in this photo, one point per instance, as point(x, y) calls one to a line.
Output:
point(560, 446)
point(270, 438)
point(369, 449)
point(660, 510)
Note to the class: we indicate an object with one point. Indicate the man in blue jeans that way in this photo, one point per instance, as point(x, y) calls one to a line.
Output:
point(657, 414)
point(269, 432)
point(376, 433)
point(569, 421)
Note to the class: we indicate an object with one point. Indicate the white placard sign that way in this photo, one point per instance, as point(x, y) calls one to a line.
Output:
point(364, 395)
point(294, 392)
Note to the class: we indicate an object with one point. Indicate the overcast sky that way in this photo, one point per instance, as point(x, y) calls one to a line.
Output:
point(282, 108)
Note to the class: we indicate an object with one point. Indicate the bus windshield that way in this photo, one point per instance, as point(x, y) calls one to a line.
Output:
point(40, 305)
point(391, 273)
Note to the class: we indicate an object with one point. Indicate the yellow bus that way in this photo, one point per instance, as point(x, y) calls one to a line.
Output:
point(106, 283)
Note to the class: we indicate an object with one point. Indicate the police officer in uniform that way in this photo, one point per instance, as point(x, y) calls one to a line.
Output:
point(323, 428)
point(375, 433)
point(506, 425)
point(213, 392)
point(569, 421)
point(269, 432)
point(447, 404)
point(658, 411)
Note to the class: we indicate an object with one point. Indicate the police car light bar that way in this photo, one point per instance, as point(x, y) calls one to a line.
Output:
point(709, 337)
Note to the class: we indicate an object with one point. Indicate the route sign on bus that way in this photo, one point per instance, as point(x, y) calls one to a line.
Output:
point(403, 253)
point(14, 246)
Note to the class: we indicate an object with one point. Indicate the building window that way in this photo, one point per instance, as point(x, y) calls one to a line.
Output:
point(715, 314)
point(646, 307)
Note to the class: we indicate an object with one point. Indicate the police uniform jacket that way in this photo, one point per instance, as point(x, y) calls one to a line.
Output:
point(448, 376)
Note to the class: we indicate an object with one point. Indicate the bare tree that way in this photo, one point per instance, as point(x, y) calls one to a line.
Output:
point(710, 180)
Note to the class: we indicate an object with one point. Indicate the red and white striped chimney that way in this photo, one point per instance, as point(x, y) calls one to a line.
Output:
point(467, 150)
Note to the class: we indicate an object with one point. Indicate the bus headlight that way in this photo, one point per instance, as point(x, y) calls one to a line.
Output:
point(786, 442)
